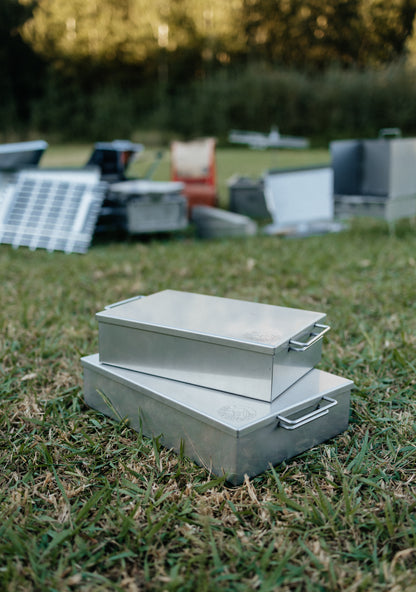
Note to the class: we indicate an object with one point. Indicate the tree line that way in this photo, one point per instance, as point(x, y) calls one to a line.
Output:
point(58, 53)
point(298, 33)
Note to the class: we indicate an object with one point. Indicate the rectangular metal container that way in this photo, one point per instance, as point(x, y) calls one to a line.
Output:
point(217, 223)
point(246, 348)
point(17, 155)
point(246, 196)
point(374, 178)
point(389, 167)
point(151, 206)
point(227, 434)
point(147, 214)
point(393, 209)
point(377, 168)
point(299, 196)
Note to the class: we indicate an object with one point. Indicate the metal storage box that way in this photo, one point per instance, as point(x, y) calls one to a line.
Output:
point(21, 154)
point(390, 210)
point(299, 196)
point(216, 223)
point(380, 167)
point(247, 197)
point(374, 178)
point(147, 214)
point(227, 434)
point(389, 167)
point(249, 349)
point(152, 206)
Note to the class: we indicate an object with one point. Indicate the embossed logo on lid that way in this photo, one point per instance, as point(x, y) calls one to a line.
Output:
point(237, 413)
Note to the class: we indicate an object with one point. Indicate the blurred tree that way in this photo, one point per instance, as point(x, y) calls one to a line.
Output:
point(131, 31)
point(301, 33)
point(145, 52)
point(21, 69)
point(318, 33)
point(411, 46)
point(386, 28)
point(99, 30)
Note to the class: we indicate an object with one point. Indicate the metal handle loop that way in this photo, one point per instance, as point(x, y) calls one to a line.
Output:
point(301, 346)
point(294, 424)
point(122, 302)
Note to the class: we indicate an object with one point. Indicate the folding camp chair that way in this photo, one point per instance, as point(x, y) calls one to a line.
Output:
point(193, 163)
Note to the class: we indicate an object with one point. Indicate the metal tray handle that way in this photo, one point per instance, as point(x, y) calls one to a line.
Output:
point(122, 302)
point(294, 424)
point(301, 346)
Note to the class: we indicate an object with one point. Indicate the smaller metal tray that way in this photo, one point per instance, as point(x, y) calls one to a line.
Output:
point(245, 348)
point(227, 434)
point(216, 223)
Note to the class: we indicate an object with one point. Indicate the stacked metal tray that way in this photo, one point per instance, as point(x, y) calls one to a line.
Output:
point(231, 383)
point(217, 223)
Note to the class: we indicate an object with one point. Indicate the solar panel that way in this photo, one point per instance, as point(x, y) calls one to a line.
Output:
point(55, 210)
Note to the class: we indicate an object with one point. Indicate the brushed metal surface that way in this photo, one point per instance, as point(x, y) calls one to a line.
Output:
point(374, 168)
point(231, 345)
point(388, 167)
point(299, 196)
point(390, 209)
point(227, 434)
point(346, 158)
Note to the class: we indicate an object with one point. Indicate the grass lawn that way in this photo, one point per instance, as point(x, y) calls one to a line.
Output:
point(87, 504)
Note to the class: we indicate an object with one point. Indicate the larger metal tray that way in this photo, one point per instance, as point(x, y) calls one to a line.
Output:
point(250, 349)
point(227, 434)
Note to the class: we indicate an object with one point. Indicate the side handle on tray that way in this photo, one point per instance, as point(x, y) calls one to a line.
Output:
point(122, 302)
point(293, 424)
point(301, 346)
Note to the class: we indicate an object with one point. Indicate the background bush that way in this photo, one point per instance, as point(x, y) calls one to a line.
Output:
point(321, 105)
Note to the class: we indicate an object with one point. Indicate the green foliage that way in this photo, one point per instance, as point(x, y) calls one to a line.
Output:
point(88, 504)
point(324, 106)
point(106, 69)
point(312, 33)
point(298, 33)
point(335, 103)
point(21, 70)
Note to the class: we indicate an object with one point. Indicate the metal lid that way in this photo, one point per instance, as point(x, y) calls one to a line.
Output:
point(23, 146)
point(144, 187)
point(225, 321)
point(231, 413)
point(120, 145)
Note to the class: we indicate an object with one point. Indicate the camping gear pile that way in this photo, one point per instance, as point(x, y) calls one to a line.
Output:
point(63, 208)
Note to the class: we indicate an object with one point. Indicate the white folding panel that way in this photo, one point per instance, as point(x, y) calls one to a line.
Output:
point(299, 196)
point(53, 210)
